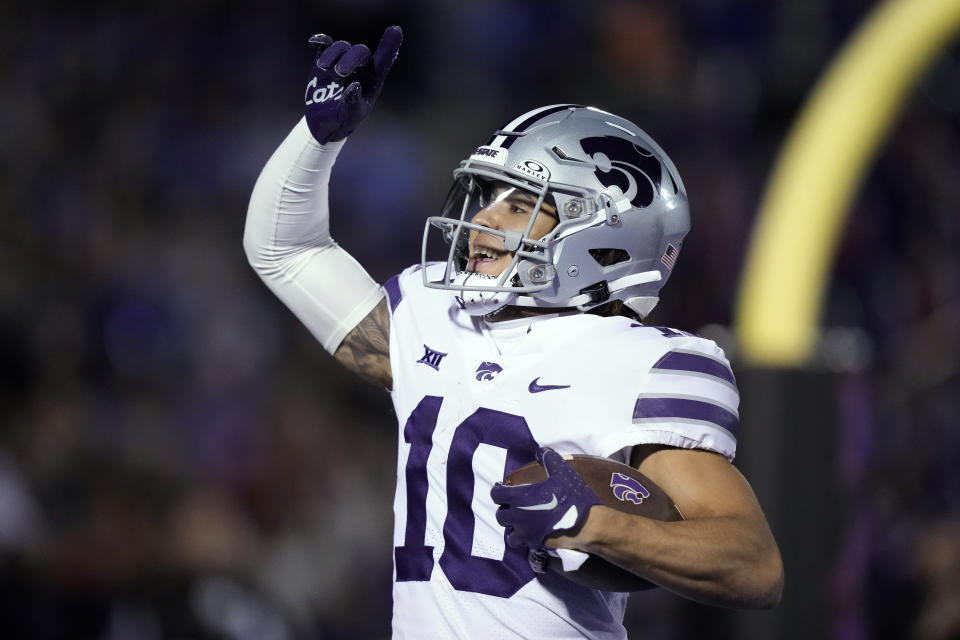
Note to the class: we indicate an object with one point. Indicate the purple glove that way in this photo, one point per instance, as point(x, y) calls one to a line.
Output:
point(531, 512)
point(345, 83)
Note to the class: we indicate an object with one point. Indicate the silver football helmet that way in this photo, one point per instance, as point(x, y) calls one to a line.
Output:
point(620, 206)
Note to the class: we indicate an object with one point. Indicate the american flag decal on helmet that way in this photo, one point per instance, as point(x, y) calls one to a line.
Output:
point(669, 256)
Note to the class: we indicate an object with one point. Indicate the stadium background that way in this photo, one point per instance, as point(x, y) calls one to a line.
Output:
point(179, 459)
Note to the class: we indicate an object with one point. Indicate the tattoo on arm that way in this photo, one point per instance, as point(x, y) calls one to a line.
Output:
point(366, 349)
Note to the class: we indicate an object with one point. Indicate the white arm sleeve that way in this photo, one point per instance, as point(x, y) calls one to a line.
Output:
point(287, 241)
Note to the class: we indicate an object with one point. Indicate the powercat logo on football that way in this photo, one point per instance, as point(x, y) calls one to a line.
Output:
point(332, 91)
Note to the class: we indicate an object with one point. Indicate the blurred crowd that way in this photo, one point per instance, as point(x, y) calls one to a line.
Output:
point(179, 458)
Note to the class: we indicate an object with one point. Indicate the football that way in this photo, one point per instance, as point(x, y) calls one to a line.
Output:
point(620, 487)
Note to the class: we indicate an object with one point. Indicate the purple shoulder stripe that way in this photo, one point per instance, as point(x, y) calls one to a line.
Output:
point(683, 361)
point(686, 409)
point(392, 287)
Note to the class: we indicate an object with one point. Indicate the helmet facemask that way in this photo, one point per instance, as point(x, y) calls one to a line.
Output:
point(530, 251)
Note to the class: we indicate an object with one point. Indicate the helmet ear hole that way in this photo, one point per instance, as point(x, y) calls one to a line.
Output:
point(609, 257)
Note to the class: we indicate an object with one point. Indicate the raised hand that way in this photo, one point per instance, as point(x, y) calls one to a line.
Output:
point(345, 82)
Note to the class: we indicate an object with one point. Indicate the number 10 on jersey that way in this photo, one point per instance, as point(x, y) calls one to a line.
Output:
point(414, 560)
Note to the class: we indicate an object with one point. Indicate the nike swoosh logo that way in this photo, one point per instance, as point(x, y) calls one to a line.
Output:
point(537, 388)
point(546, 506)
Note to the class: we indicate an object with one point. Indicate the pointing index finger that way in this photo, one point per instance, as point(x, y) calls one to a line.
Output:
point(387, 50)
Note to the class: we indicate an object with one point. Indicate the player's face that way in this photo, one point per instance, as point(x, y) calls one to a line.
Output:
point(509, 210)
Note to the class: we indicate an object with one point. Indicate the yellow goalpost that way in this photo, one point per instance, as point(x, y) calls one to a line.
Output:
point(818, 173)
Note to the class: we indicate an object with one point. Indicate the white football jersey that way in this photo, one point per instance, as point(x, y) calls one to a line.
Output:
point(475, 401)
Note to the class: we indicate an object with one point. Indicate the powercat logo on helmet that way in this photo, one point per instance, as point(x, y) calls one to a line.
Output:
point(534, 169)
point(495, 155)
point(621, 163)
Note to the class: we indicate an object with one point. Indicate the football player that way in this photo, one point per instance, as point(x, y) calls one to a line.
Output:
point(525, 342)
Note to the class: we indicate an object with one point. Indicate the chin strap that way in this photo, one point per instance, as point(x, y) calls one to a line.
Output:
point(601, 292)
point(480, 302)
point(643, 305)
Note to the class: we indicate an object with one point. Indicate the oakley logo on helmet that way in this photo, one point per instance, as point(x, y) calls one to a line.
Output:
point(534, 169)
point(621, 163)
point(332, 91)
